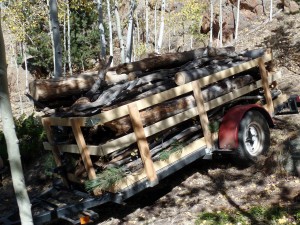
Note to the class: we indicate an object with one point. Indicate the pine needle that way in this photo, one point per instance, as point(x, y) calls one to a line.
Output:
point(106, 179)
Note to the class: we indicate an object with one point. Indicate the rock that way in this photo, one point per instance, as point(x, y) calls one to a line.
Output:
point(290, 6)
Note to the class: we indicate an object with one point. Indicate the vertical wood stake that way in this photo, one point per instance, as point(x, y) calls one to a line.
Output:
point(142, 142)
point(265, 85)
point(202, 113)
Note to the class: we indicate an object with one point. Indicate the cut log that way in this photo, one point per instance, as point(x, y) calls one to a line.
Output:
point(46, 90)
point(170, 60)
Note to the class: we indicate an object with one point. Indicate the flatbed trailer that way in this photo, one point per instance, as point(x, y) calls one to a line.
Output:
point(65, 201)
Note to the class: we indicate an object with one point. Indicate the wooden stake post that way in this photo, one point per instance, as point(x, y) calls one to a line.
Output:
point(85, 155)
point(142, 143)
point(265, 85)
point(202, 113)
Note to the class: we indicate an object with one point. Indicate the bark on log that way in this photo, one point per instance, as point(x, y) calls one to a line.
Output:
point(170, 60)
point(46, 90)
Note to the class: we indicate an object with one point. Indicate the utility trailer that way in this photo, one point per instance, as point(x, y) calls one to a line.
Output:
point(244, 130)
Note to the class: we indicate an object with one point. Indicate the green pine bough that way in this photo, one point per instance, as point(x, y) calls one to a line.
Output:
point(106, 179)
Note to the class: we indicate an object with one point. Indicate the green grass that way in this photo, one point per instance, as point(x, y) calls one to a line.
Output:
point(255, 215)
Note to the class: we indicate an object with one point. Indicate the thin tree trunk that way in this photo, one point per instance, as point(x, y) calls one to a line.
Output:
point(69, 40)
point(147, 24)
point(211, 22)
point(271, 9)
point(26, 68)
point(130, 32)
point(101, 30)
point(51, 35)
point(155, 27)
point(120, 36)
point(221, 24)
point(12, 142)
point(56, 38)
point(111, 53)
point(137, 28)
point(65, 44)
point(162, 25)
point(18, 83)
point(237, 20)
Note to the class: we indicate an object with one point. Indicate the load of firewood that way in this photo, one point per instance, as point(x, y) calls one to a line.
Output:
point(87, 95)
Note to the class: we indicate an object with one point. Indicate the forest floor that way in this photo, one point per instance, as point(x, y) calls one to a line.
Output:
point(214, 185)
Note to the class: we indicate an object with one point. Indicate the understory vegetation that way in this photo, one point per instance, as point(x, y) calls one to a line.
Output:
point(30, 134)
point(255, 215)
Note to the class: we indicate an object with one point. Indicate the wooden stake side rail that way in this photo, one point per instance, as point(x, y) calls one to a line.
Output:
point(129, 139)
point(140, 133)
point(121, 111)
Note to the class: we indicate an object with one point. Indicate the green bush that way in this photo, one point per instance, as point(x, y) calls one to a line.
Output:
point(30, 134)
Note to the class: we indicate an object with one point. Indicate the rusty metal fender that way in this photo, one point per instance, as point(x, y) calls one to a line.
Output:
point(229, 128)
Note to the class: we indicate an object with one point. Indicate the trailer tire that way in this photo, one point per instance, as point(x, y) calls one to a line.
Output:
point(253, 137)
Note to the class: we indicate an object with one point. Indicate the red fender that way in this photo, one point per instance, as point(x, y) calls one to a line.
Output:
point(229, 128)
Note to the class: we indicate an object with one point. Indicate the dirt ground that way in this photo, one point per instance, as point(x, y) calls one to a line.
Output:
point(214, 185)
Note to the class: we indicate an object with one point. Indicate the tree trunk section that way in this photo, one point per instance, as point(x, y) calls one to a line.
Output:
point(12, 142)
point(56, 38)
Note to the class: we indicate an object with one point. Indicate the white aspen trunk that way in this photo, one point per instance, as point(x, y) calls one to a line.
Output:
point(137, 28)
point(18, 75)
point(130, 32)
point(12, 142)
point(237, 20)
point(26, 69)
point(271, 9)
point(120, 36)
point(162, 25)
point(147, 24)
point(111, 52)
point(169, 44)
point(65, 44)
point(69, 40)
point(191, 42)
point(211, 22)
point(155, 27)
point(56, 38)
point(101, 30)
point(221, 24)
point(51, 36)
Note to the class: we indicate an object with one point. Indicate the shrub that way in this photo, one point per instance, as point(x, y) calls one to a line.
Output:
point(30, 134)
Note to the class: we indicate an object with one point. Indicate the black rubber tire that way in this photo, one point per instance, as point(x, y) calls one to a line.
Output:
point(253, 137)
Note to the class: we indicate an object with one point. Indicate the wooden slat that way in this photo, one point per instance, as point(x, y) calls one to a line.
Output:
point(121, 111)
point(85, 155)
point(202, 113)
point(142, 142)
point(129, 139)
point(265, 85)
point(73, 148)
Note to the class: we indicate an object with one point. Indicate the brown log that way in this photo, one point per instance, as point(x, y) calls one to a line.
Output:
point(46, 90)
point(173, 107)
point(169, 60)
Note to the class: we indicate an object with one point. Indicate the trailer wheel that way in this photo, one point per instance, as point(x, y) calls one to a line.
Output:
point(253, 137)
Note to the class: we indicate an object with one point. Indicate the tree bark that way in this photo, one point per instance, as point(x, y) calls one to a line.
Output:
point(159, 62)
point(119, 31)
point(101, 30)
point(170, 60)
point(162, 25)
point(12, 142)
point(111, 53)
point(130, 32)
point(56, 38)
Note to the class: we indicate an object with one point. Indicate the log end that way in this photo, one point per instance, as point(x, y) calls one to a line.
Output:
point(180, 78)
